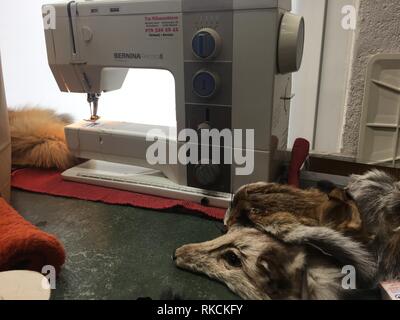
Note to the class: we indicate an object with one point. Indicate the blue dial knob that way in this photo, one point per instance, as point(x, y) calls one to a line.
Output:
point(206, 43)
point(205, 84)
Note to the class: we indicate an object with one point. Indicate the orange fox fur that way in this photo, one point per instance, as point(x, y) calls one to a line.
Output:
point(38, 139)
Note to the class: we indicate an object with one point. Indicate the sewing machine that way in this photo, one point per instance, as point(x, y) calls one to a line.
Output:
point(232, 62)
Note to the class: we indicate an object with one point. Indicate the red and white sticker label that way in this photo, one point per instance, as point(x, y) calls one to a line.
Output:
point(162, 26)
point(392, 289)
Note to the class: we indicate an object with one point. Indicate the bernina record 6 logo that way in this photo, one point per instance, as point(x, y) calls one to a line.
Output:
point(127, 56)
point(137, 56)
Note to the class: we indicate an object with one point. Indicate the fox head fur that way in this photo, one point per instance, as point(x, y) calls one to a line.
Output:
point(378, 197)
point(302, 263)
point(285, 243)
point(265, 203)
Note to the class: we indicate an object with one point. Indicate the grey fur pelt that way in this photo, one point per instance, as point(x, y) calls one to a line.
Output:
point(378, 198)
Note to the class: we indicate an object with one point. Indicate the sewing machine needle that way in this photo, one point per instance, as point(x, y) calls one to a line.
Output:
point(93, 99)
point(94, 116)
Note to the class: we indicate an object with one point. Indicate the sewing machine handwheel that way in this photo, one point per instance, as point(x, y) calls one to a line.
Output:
point(291, 43)
point(207, 174)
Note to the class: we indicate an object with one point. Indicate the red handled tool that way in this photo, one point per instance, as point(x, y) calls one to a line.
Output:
point(300, 153)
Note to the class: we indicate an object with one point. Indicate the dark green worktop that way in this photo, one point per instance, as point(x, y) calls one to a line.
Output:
point(118, 252)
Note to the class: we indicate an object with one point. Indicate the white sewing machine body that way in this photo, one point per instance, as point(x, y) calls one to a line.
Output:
point(231, 60)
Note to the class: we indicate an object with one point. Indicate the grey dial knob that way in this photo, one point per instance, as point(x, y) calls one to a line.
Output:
point(207, 174)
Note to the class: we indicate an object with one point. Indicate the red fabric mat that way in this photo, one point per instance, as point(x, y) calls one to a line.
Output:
point(51, 183)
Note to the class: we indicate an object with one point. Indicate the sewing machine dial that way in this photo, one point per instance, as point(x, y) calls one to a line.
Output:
point(207, 174)
point(206, 84)
point(206, 43)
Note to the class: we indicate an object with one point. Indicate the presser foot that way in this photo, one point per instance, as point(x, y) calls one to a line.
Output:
point(94, 118)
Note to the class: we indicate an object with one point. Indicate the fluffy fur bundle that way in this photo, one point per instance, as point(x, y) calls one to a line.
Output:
point(38, 139)
point(269, 204)
point(378, 198)
point(285, 243)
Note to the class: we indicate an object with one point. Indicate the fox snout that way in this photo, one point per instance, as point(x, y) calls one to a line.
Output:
point(188, 256)
point(238, 259)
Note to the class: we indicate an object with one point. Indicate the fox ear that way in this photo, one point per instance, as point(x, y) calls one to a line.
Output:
point(241, 213)
point(332, 243)
point(340, 212)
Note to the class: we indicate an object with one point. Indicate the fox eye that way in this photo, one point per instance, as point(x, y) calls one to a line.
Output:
point(232, 259)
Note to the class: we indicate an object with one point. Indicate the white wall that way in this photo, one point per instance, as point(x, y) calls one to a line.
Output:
point(306, 81)
point(335, 73)
point(148, 96)
point(317, 112)
point(377, 32)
